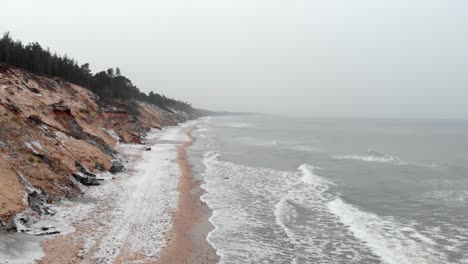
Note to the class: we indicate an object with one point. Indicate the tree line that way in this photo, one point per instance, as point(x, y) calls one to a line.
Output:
point(108, 85)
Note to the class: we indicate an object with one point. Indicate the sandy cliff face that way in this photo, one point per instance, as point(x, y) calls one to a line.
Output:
point(50, 130)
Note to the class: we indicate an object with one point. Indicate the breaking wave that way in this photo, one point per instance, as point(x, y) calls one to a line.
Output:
point(377, 157)
point(452, 198)
point(238, 125)
point(393, 242)
point(309, 177)
point(267, 215)
point(243, 204)
point(370, 156)
point(304, 148)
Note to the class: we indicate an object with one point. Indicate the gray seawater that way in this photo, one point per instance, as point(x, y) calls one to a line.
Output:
point(286, 190)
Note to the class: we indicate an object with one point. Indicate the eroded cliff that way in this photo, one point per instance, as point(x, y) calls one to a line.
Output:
point(54, 135)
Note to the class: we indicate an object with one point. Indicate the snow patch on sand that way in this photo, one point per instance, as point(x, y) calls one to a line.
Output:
point(112, 133)
point(127, 218)
point(17, 248)
point(173, 134)
point(142, 218)
point(33, 146)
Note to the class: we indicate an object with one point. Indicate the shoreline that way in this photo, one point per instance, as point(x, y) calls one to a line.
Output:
point(187, 242)
point(186, 222)
point(70, 247)
point(149, 182)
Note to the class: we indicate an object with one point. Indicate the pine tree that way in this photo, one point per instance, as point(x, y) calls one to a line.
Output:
point(109, 85)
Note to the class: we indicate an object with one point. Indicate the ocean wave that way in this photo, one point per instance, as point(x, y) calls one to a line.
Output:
point(452, 236)
point(373, 156)
point(390, 240)
point(316, 234)
point(309, 177)
point(304, 148)
point(367, 158)
point(306, 219)
point(283, 214)
point(370, 156)
point(279, 144)
point(453, 198)
point(238, 125)
point(257, 142)
point(271, 216)
point(243, 201)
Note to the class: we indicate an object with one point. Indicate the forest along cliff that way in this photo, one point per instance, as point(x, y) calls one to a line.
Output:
point(54, 134)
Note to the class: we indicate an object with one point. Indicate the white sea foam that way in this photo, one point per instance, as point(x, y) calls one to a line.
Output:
point(257, 142)
point(309, 177)
point(452, 237)
point(246, 200)
point(282, 214)
point(304, 148)
point(238, 125)
point(316, 225)
point(367, 158)
point(235, 220)
point(452, 197)
point(279, 212)
point(373, 156)
point(282, 144)
point(393, 242)
point(302, 216)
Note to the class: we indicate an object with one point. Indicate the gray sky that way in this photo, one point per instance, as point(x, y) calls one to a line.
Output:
point(374, 58)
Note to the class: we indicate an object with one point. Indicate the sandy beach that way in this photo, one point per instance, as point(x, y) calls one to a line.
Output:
point(187, 243)
point(150, 214)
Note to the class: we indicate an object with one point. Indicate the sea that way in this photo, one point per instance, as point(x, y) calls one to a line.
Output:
point(334, 190)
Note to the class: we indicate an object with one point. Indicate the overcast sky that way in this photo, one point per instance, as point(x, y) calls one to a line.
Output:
point(375, 58)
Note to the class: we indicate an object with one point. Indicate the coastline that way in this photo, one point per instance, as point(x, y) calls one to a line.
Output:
point(187, 242)
point(185, 238)
point(72, 247)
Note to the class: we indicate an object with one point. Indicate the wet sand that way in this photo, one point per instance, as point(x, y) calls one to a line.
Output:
point(187, 242)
